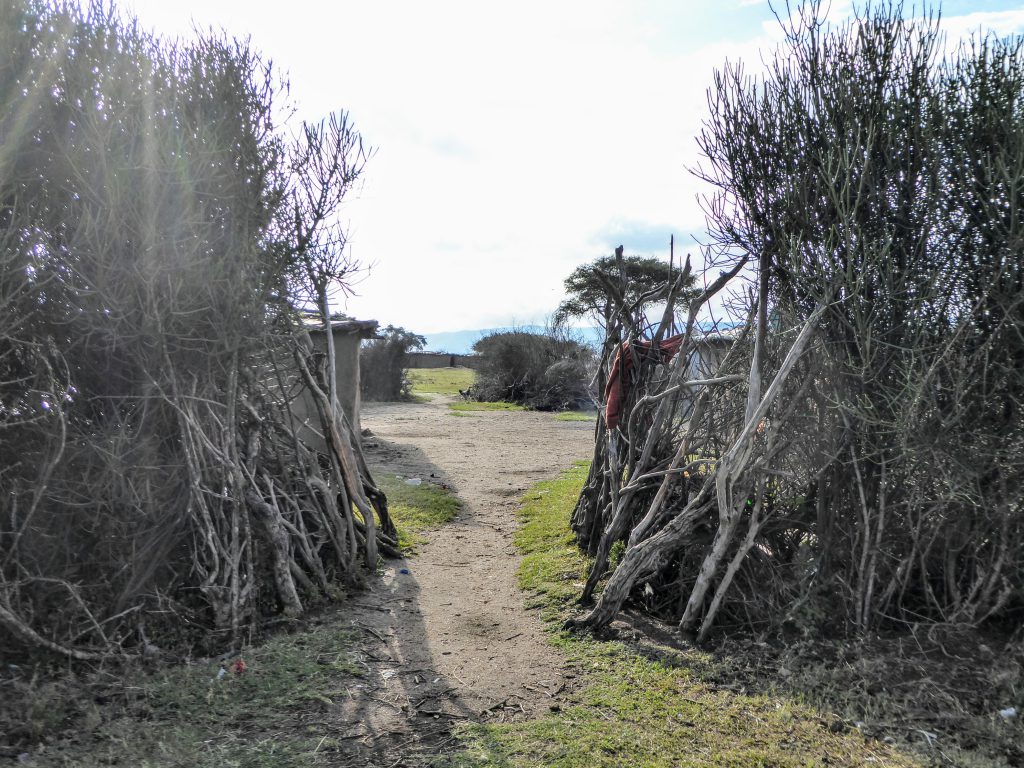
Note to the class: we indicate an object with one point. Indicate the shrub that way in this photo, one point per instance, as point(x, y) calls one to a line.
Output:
point(383, 361)
point(876, 479)
point(914, 249)
point(157, 230)
point(543, 371)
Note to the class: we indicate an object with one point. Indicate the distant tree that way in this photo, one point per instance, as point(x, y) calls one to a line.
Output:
point(588, 287)
point(383, 361)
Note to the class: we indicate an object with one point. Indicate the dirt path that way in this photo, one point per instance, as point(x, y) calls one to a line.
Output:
point(444, 635)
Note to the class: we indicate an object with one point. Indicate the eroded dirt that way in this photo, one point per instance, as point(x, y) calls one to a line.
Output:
point(446, 635)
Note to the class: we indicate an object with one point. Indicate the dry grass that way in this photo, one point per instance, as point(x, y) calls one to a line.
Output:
point(194, 714)
point(279, 712)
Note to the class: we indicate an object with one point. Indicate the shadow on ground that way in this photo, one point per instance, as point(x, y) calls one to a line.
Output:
point(402, 710)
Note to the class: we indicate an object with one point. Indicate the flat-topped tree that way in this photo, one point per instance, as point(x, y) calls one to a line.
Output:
point(591, 287)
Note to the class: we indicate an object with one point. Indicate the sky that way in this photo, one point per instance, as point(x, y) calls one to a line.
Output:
point(513, 141)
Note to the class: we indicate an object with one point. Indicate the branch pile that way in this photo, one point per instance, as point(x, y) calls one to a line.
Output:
point(857, 463)
point(156, 232)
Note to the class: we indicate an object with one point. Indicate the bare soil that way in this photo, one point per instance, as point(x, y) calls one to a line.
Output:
point(446, 635)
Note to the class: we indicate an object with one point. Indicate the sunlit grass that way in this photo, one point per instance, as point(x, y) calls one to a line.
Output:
point(417, 508)
point(472, 405)
point(440, 381)
point(576, 416)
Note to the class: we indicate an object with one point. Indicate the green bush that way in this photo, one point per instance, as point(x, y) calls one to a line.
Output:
point(543, 371)
point(383, 361)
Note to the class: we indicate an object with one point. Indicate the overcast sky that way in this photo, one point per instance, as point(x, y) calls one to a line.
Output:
point(514, 141)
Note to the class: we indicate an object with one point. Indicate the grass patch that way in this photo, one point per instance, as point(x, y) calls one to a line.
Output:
point(472, 405)
point(448, 381)
point(576, 416)
point(440, 381)
point(194, 715)
point(633, 710)
point(417, 508)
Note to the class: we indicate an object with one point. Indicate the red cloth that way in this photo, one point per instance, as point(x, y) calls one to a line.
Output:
point(620, 379)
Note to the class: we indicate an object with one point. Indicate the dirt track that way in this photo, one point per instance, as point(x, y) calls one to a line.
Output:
point(450, 640)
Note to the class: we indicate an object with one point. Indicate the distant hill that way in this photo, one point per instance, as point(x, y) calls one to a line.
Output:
point(461, 342)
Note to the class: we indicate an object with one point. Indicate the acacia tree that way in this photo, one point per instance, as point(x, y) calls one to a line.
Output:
point(591, 287)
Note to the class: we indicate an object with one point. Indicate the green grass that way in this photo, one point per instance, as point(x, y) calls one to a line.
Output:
point(417, 509)
point(636, 711)
point(472, 405)
point(440, 381)
point(576, 416)
point(448, 381)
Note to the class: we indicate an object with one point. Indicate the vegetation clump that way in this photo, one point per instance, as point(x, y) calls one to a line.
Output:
point(848, 465)
point(383, 361)
point(417, 509)
point(545, 372)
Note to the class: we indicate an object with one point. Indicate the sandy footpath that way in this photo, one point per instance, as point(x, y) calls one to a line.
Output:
point(444, 636)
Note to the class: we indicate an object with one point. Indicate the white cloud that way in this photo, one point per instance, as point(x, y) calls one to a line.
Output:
point(510, 136)
point(1002, 23)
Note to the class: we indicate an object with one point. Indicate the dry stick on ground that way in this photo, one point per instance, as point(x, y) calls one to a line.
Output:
point(20, 629)
point(597, 500)
point(622, 323)
point(277, 536)
point(731, 469)
point(684, 450)
point(757, 519)
point(342, 439)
